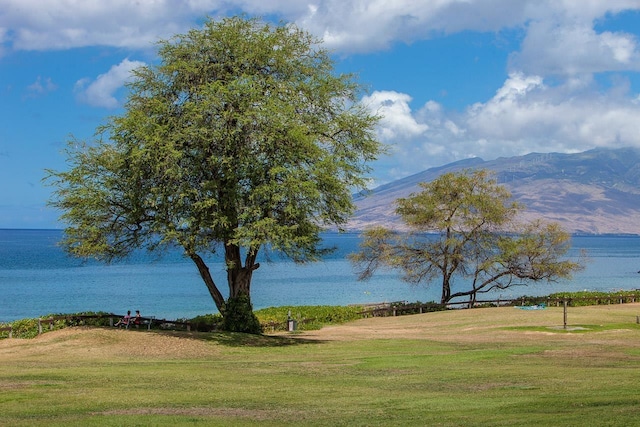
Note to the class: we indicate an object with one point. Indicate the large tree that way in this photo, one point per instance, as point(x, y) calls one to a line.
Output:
point(242, 137)
point(464, 230)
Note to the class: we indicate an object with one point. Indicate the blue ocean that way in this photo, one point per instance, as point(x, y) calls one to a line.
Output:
point(37, 278)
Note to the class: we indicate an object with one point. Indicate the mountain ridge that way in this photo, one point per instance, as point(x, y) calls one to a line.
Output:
point(592, 192)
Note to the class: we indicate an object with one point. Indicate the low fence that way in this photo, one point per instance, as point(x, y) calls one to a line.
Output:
point(81, 319)
point(549, 301)
point(400, 308)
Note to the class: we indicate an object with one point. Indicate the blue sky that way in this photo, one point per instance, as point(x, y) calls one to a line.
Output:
point(453, 79)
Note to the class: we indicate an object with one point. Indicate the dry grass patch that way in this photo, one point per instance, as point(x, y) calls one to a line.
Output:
point(100, 343)
point(489, 325)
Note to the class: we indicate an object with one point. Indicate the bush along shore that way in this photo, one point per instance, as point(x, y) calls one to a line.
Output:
point(301, 318)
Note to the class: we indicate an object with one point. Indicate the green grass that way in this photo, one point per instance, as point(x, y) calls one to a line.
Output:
point(502, 374)
point(577, 329)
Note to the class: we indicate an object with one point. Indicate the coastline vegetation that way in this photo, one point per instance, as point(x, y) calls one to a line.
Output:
point(307, 318)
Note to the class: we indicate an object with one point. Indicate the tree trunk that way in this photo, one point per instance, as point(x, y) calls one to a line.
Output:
point(237, 311)
point(238, 275)
point(446, 290)
point(472, 299)
point(239, 316)
point(208, 280)
point(239, 282)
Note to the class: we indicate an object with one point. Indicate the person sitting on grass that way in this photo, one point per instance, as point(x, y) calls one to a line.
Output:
point(125, 320)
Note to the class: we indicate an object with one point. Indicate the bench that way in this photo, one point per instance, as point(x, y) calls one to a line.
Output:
point(79, 319)
point(133, 321)
point(150, 321)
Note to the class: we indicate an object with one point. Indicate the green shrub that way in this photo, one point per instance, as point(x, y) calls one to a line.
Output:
point(206, 323)
point(4, 334)
point(308, 317)
point(583, 298)
point(417, 307)
point(79, 319)
point(101, 321)
point(239, 316)
point(25, 328)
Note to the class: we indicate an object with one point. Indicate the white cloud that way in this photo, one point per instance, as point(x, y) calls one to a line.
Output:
point(559, 35)
point(346, 25)
point(525, 115)
point(397, 123)
point(64, 24)
point(559, 117)
point(101, 91)
point(560, 49)
point(357, 26)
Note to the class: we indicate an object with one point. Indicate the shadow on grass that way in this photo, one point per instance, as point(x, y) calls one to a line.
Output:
point(237, 339)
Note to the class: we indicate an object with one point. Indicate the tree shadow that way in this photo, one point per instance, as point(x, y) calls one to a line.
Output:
point(238, 339)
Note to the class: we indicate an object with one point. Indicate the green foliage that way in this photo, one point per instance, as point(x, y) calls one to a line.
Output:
point(25, 328)
point(309, 317)
point(418, 307)
point(241, 136)
point(206, 322)
point(477, 238)
point(85, 318)
point(239, 316)
point(583, 298)
point(28, 328)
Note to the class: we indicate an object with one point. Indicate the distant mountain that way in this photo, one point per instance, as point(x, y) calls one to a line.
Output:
point(594, 192)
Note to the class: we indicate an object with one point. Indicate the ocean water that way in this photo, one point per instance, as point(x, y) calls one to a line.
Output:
point(37, 278)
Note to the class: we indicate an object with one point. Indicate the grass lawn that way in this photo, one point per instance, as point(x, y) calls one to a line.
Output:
point(484, 367)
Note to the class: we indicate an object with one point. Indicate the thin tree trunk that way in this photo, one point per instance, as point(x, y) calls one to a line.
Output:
point(208, 280)
point(446, 291)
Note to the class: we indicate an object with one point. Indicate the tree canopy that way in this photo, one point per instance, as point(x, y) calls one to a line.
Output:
point(241, 137)
point(464, 230)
